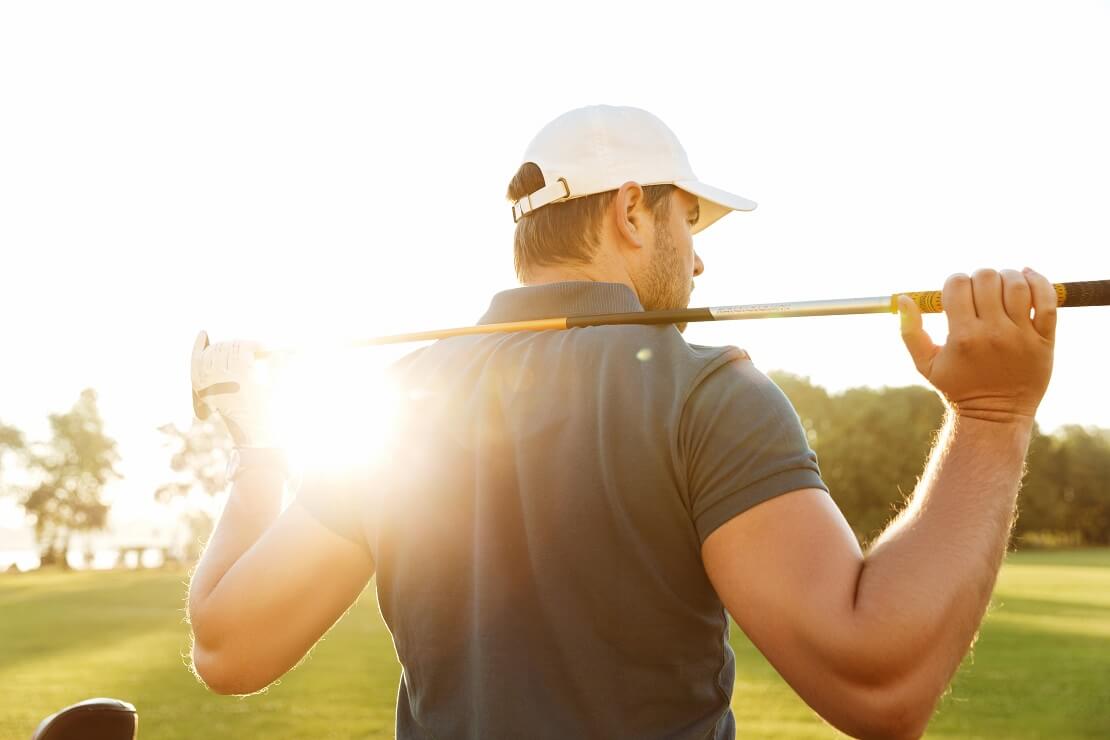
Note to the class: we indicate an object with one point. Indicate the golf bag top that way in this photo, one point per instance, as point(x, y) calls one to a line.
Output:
point(92, 719)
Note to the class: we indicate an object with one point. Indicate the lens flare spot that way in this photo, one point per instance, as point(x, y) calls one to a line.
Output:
point(333, 411)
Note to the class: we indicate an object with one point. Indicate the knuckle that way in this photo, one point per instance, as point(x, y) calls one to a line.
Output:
point(1043, 283)
point(957, 280)
point(984, 273)
point(963, 343)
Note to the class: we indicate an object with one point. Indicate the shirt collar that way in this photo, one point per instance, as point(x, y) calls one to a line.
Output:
point(551, 300)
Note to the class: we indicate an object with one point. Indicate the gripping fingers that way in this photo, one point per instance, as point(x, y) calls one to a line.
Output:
point(219, 371)
point(1016, 296)
point(957, 299)
point(228, 361)
point(986, 287)
point(1044, 304)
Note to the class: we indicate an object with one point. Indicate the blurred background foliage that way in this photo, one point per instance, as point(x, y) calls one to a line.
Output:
point(872, 443)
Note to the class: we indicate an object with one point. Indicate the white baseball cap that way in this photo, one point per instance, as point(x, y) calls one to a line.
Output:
point(601, 147)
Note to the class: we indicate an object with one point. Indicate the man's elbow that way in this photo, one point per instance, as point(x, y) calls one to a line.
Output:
point(209, 661)
point(891, 692)
point(890, 714)
point(223, 676)
point(906, 721)
point(227, 660)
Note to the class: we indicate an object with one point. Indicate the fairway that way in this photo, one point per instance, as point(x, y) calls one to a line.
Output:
point(1041, 668)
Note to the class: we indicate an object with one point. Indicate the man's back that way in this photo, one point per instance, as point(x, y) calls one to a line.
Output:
point(538, 541)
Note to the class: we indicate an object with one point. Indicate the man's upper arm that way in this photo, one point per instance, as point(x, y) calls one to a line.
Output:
point(774, 544)
point(786, 570)
point(276, 601)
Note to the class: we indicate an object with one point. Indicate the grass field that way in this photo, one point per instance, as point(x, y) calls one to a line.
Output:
point(1041, 668)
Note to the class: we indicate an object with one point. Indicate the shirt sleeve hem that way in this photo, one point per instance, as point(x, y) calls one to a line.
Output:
point(737, 503)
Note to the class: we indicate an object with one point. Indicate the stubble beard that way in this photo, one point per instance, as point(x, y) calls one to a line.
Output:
point(663, 286)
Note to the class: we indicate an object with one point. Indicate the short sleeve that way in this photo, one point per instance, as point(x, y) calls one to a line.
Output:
point(338, 500)
point(742, 443)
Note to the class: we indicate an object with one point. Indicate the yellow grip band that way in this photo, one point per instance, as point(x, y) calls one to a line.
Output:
point(929, 301)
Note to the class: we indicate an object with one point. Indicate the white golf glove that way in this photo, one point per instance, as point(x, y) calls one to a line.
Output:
point(224, 382)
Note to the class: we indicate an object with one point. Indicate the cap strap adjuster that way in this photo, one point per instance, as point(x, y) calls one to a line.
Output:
point(556, 191)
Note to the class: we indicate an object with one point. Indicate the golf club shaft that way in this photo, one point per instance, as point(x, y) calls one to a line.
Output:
point(1090, 293)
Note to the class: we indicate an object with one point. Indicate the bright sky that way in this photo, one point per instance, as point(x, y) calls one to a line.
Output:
point(294, 172)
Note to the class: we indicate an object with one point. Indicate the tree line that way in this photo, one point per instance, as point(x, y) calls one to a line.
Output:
point(871, 445)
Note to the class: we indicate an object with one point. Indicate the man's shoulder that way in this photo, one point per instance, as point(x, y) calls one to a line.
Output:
point(686, 369)
point(704, 361)
point(658, 350)
point(711, 353)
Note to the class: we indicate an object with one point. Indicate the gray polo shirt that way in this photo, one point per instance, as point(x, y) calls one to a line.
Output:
point(537, 524)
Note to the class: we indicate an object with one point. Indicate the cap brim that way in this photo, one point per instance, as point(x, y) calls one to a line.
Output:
point(713, 203)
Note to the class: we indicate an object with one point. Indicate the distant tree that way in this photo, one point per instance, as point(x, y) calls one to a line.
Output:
point(11, 440)
point(200, 455)
point(10, 437)
point(72, 470)
point(878, 454)
point(812, 402)
point(1086, 455)
point(870, 443)
point(1067, 487)
point(1040, 509)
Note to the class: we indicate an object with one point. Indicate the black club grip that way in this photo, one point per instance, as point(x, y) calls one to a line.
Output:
point(1089, 293)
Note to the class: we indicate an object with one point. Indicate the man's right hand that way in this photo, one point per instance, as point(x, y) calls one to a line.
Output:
point(997, 361)
point(224, 382)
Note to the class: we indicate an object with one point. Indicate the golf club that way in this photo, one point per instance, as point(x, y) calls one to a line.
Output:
point(1088, 293)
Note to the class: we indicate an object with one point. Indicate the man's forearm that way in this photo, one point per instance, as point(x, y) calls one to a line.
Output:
point(926, 582)
point(252, 507)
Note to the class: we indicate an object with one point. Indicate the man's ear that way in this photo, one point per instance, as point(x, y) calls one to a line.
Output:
point(629, 213)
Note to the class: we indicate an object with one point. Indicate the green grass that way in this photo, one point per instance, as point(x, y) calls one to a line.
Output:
point(1041, 667)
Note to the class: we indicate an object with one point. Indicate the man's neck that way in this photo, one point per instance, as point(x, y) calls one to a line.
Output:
point(593, 272)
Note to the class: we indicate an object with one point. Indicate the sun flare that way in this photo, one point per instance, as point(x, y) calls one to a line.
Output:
point(333, 411)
